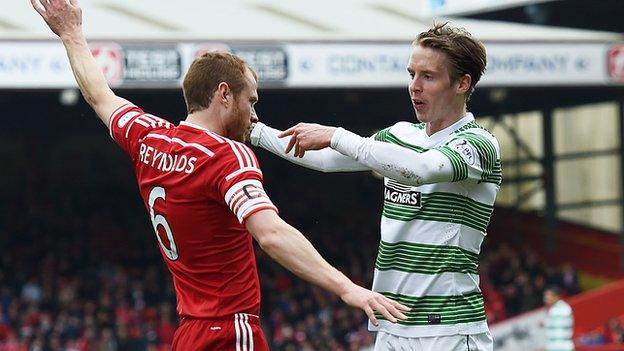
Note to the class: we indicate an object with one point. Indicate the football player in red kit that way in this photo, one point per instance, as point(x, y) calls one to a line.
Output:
point(202, 188)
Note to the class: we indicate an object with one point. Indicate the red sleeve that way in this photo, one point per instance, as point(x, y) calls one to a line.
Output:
point(129, 124)
point(239, 182)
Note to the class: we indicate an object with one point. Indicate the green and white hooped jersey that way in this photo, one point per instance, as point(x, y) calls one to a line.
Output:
point(559, 325)
point(431, 235)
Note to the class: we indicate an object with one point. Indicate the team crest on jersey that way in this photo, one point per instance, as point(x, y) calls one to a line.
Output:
point(123, 120)
point(466, 151)
point(402, 195)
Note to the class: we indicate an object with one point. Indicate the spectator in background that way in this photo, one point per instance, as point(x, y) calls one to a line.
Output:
point(569, 278)
point(559, 321)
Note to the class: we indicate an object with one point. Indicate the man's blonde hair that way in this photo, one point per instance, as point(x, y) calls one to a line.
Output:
point(466, 55)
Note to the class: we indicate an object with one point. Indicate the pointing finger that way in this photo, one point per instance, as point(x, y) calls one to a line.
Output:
point(287, 132)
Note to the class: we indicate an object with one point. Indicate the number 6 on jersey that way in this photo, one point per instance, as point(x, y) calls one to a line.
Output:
point(159, 193)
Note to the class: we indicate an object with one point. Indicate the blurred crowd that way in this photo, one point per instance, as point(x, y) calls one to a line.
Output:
point(611, 333)
point(81, 269)
point(513, 280)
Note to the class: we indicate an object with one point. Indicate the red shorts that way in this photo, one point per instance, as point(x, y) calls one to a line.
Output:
point(241, 332)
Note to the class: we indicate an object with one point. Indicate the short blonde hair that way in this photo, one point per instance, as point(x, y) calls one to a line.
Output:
point(205, 75)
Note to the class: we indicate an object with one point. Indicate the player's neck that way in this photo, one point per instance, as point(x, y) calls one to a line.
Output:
point(208, 120)
point(443, 123)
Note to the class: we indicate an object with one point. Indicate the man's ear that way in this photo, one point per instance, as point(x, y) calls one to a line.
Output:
point(223, 93)
point(464, 84)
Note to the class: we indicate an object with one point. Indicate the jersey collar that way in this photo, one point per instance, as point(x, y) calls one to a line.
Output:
point(193, 125)
point(443, 134)
point(217, 136)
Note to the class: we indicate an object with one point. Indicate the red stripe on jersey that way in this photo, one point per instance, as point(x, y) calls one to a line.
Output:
point(121, 111)
point(240, 198)
point(148, 119)
point(251, 208)
point(216, 137)
point(144, 122)
point(125, 107)
point(244, 214)
point(254, 162)
point(248, 154)
point(243, 170)
point(237, 199)
point(239, 195)
point(257, 209)
point(241, 191)
point(244, 153)
point(138, 120)
point(244, 156)
point(252, 157)
point(236, 153)
point(156, 121)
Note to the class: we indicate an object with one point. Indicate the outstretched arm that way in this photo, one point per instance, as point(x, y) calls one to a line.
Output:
point(292, 250)
point(325, 160)
point(65, 20)
point(390, 160)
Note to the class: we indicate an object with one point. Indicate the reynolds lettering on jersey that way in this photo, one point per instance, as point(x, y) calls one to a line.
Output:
point(402, 194)
point(166, 162)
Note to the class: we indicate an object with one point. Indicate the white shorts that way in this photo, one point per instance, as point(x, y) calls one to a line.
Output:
point(476, 342)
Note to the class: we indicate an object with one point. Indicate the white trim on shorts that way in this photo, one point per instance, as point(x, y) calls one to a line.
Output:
point(244, 333)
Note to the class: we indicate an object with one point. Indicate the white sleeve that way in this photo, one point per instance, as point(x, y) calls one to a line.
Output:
point(394, 161)
point(325, 160)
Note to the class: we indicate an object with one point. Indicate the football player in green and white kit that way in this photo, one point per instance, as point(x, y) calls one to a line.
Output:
point(441, 179)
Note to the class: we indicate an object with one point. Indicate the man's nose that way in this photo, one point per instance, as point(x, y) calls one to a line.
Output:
point(415, 85)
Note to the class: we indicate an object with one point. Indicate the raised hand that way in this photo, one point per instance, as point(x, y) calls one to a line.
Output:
point(308, 136)
point(370, 302)
point(62, 16)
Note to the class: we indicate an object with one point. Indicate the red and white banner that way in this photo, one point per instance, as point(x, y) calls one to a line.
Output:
point(110, 57)
point(616, 62)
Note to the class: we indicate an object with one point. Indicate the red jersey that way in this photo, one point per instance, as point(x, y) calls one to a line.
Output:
point(198, 188)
